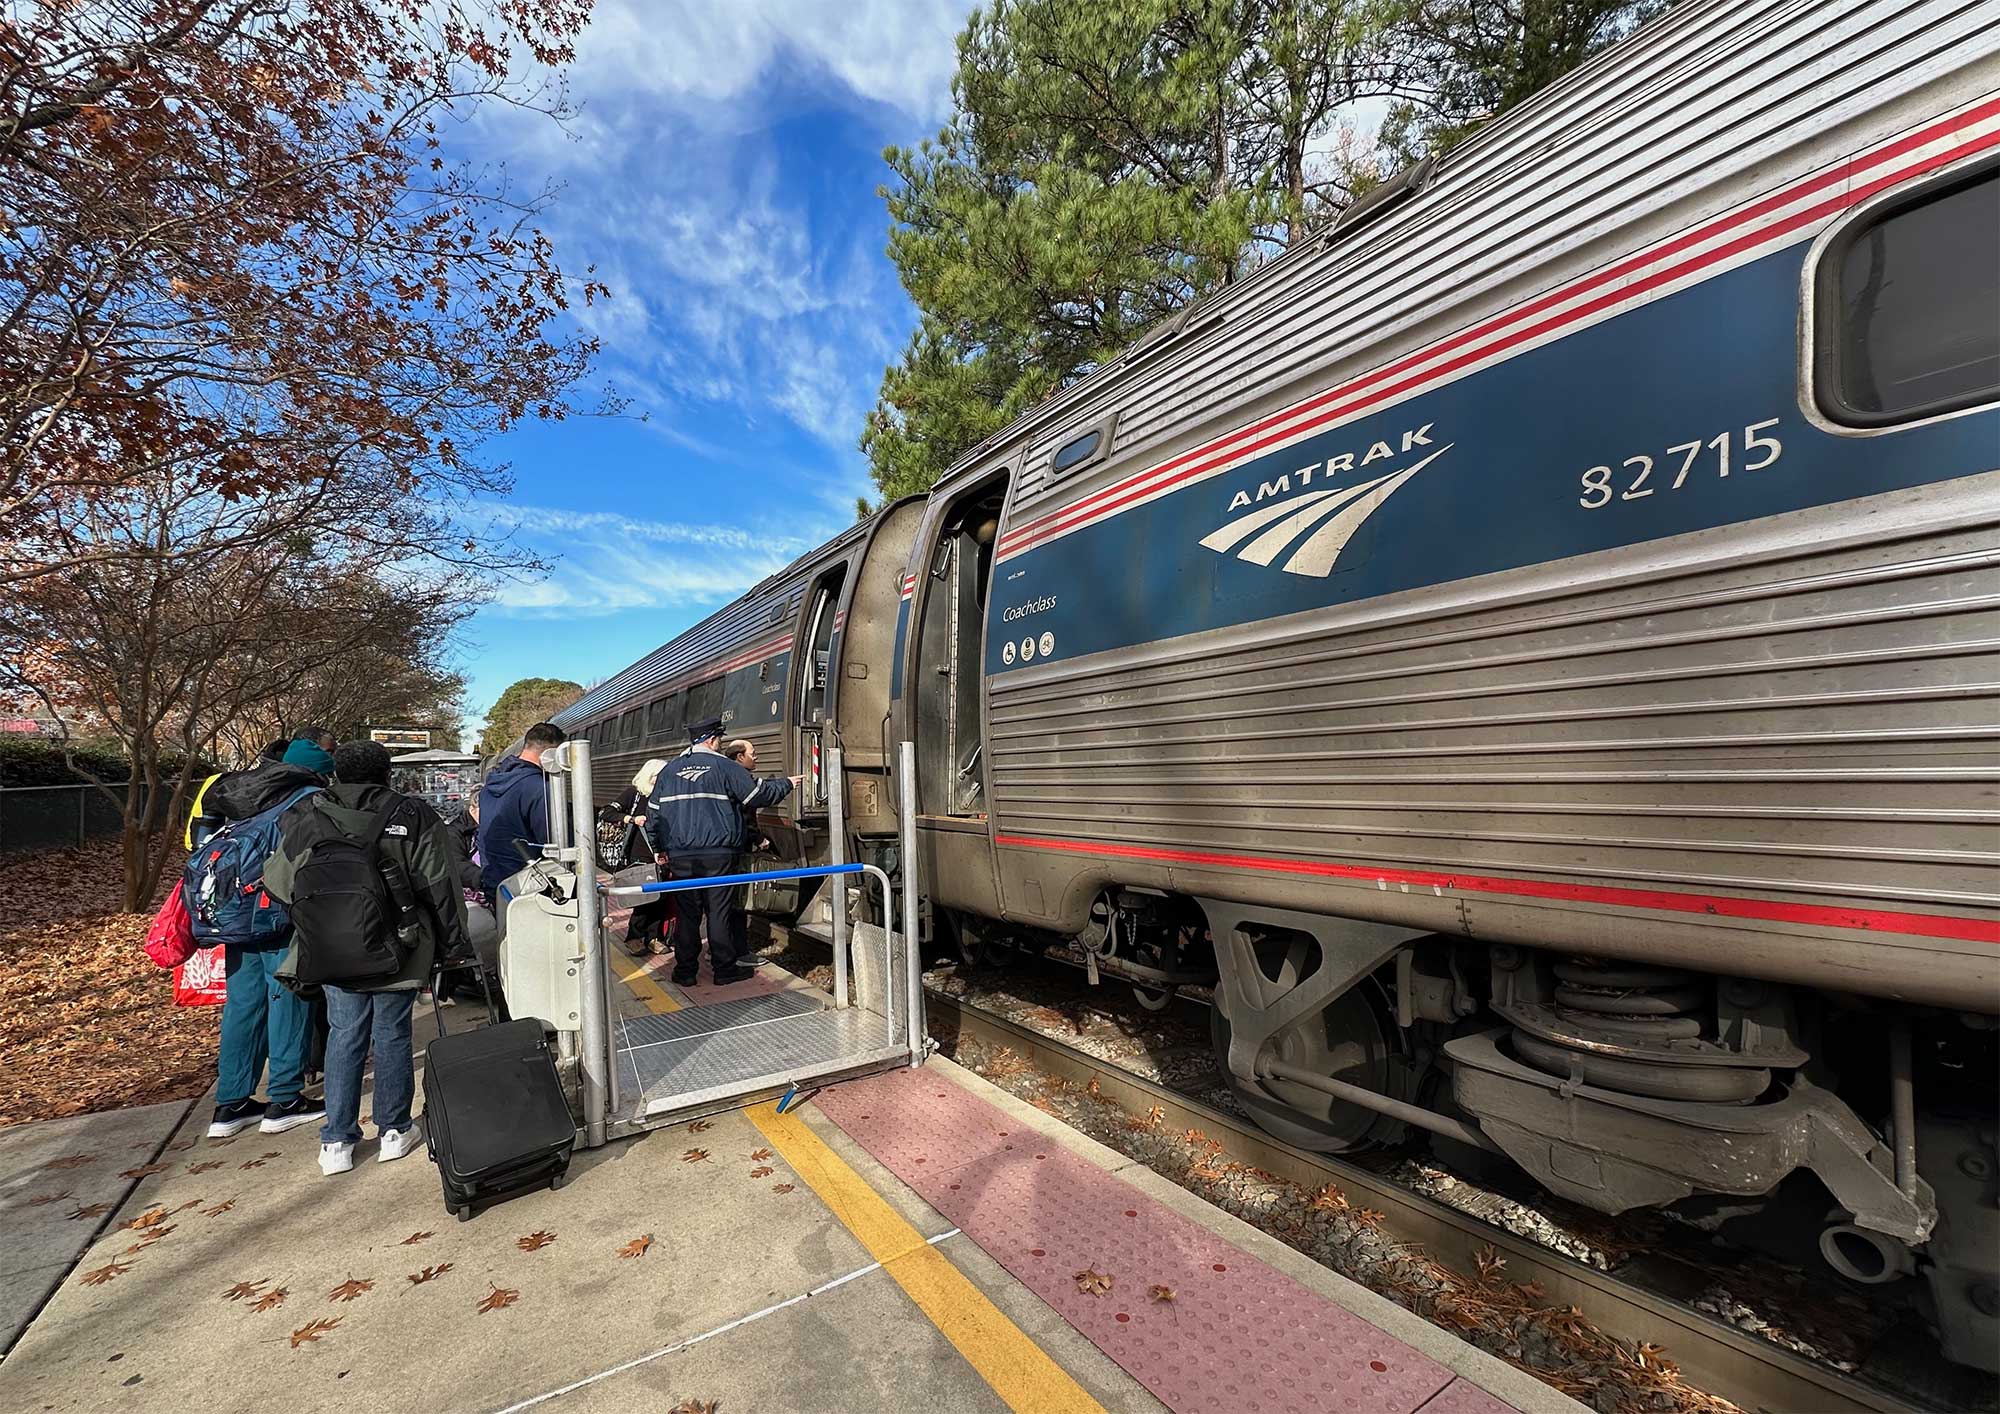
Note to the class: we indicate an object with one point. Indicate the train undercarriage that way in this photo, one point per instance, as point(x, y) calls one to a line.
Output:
point(1614, 1085)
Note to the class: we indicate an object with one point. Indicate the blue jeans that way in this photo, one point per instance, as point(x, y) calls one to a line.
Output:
point(261, 1020)
point(353, 1021)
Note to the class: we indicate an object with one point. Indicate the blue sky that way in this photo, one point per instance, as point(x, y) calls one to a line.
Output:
point(722, 176)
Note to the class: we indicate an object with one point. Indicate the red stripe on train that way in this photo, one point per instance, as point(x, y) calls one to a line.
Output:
point(1071, 517)
point(1922, 925)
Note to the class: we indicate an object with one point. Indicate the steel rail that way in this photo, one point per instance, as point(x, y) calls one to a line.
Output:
point(1711, 1355)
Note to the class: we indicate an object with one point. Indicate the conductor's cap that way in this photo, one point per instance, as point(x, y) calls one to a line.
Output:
point(702, 731)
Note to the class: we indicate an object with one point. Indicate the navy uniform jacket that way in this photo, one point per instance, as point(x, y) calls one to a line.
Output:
point(698, 803)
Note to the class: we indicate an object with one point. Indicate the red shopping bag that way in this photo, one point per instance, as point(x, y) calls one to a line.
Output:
point(202, 980)
point(170, 941)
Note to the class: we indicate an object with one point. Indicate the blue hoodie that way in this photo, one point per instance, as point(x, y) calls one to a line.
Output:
point(513, 805)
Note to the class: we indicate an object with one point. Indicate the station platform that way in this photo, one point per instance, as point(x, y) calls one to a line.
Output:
point(915, 1239)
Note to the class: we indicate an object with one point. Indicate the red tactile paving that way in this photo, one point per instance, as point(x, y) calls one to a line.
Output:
point(1463, 1397)
point(1236, 1335)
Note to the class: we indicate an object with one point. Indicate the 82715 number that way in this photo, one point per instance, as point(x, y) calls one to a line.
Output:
point(1757, 452)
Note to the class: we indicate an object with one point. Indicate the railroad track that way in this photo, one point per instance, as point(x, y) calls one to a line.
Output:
point(1742, 1368)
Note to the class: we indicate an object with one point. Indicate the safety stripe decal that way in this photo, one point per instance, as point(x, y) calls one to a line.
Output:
point(1472, 347)
point(1921, 925)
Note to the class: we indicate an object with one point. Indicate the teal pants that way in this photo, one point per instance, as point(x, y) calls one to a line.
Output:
point(261, 1020)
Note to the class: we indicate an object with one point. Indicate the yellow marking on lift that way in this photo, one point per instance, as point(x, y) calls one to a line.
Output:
point(640, 980)
point(1019, 1371)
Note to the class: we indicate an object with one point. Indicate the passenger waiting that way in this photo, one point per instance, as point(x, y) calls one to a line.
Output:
point(646, 931)
point(368, 874)
point(514, 814)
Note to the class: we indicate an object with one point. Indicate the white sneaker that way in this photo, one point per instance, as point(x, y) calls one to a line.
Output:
point(335, 1158)
point(398, 1142)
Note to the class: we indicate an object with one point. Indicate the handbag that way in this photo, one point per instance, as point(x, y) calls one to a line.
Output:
point(170, 939)
point(202, 980)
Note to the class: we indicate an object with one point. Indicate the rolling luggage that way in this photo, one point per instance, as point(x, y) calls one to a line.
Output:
point(495, 1118)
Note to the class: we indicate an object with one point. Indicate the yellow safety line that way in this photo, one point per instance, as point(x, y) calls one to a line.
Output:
point(1019, 1370)
point(640, 980)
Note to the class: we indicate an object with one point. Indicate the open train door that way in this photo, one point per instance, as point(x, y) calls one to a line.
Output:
point(944, 691)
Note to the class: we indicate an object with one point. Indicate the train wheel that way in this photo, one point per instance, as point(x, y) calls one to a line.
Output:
point(1348, 1040)
point(969, 941)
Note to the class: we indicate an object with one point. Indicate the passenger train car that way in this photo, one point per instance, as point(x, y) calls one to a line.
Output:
point(1531, 648)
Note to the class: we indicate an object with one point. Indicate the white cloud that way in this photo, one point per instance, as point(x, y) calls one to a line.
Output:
point(720, 61)
point(603, 562)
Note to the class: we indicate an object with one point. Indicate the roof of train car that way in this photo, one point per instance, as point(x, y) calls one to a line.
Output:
point(1708, 86)
point(727, 628)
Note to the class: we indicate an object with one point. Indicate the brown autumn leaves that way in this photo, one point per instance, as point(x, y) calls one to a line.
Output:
point(256, 320)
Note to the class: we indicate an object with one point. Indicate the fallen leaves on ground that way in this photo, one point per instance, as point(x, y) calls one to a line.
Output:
point(414, 1238)
point(783, 1187)
point(499, 1298)
point(152, 1217)
point(245, 1288)
point(534, 1241)
point(695, 1406)
point(219, 1209)
point(272, 1154)
point(100, 1275)
point(145, 1170)
point(1330, 1200)
point(1092, 1283)
point(71, 1161)
point(313, 1330)
point(204, 1166)
point(694, 1156)
point(149, 1237)
point(191, 1203)
point(1161, 1293)
point(271, 1300)
point(637, 1246)
point(250, 1164)
point(79, 998)
point(350, 1289)
point(762, 1171)
point(41, 1198)
point(90, 1210)
point(428, 1274)
point(757, 1156)
point(699, 1126)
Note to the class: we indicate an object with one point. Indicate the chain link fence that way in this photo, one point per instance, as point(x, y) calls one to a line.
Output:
point(58, 817)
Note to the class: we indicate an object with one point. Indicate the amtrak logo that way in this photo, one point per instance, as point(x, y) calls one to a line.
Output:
point(1312, 529)
point(692, 774)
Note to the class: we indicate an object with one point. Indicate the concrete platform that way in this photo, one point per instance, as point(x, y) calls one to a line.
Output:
point(61, 1181)
point(760, 1261)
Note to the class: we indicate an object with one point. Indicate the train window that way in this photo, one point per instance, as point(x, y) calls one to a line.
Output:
point(657, 718)
point(1086, 447)
point(704, 701)
point(630, 726)
point(1909, 307)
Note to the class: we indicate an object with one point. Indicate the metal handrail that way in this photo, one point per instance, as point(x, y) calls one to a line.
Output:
point(818, 871)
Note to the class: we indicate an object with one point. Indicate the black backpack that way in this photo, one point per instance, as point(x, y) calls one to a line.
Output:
point(354, 914)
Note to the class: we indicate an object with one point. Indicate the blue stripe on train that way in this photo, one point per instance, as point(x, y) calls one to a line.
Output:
point(1705, 363)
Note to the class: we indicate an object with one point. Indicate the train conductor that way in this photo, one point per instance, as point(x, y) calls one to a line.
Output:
point(696, 828)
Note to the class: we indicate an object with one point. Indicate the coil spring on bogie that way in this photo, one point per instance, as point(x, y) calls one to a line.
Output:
point(1645, 1009)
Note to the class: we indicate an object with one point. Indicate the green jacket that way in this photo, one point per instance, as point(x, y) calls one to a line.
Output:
point(426, 855)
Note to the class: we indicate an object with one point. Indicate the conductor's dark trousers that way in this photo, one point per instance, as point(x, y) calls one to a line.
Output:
point(718, 905)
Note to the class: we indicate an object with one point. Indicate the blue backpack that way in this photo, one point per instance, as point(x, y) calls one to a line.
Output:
point(223, 884)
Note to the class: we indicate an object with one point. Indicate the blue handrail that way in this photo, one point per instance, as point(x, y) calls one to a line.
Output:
point(668, 886)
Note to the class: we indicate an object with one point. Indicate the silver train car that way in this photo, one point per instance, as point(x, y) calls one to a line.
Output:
point(1530, 649)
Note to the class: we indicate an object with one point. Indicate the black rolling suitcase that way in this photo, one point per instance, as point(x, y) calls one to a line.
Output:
point(494, 1114)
